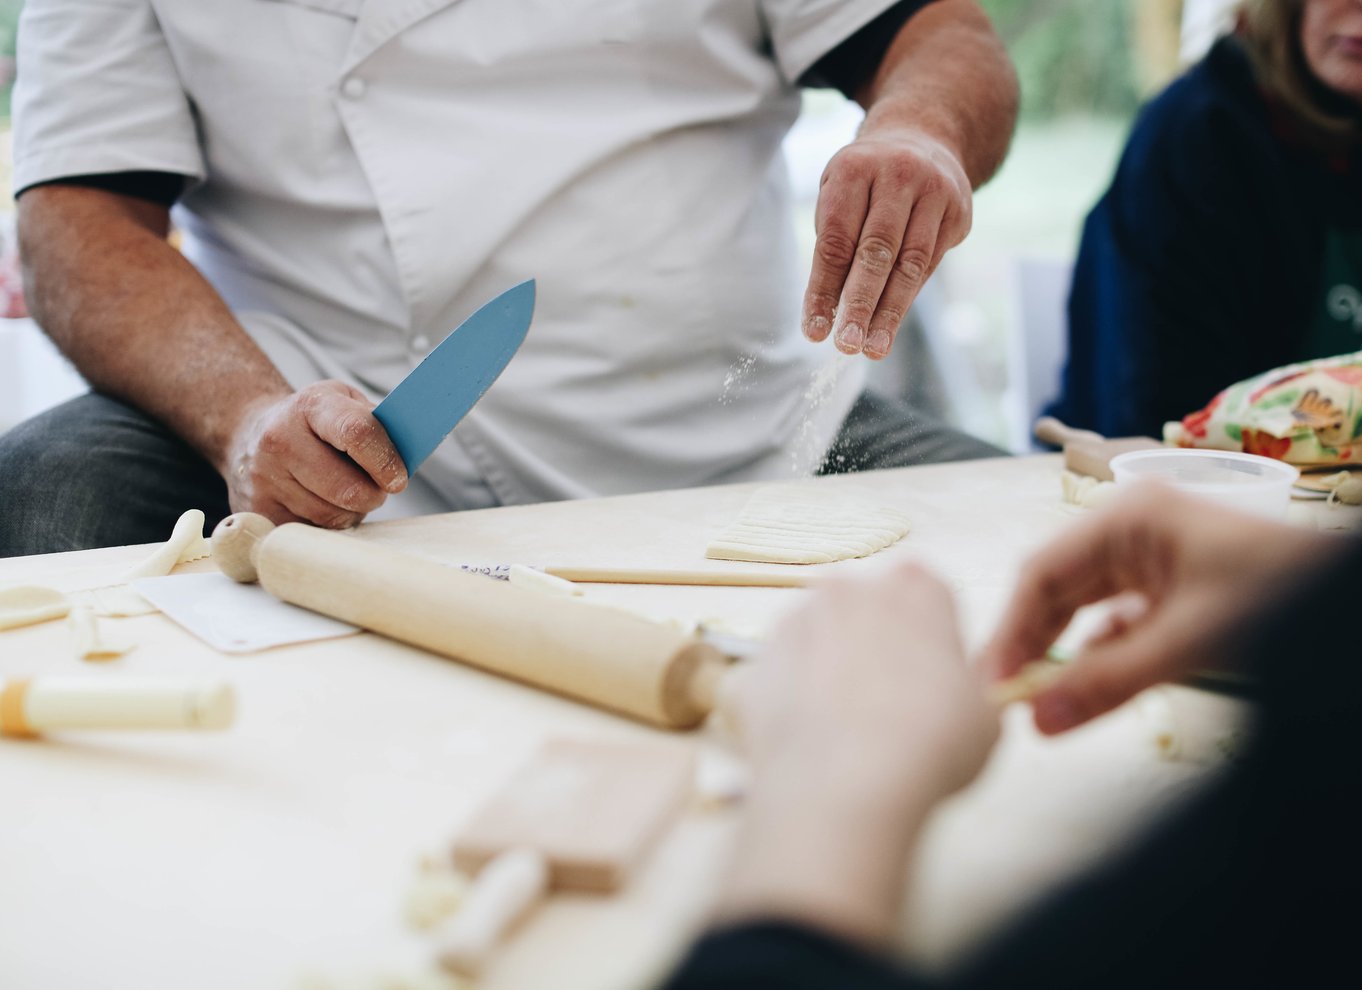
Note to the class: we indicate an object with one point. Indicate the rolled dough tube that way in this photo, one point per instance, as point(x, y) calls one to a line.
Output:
point(90, 642)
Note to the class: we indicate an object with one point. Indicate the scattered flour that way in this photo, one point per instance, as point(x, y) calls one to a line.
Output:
point(808, 451)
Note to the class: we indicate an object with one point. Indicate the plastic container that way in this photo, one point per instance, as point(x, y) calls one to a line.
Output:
point(1248, 482)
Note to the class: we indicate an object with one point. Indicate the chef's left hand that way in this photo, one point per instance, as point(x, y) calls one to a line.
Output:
point(891, 204)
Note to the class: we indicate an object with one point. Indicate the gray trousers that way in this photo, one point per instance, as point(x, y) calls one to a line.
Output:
point(95, 472)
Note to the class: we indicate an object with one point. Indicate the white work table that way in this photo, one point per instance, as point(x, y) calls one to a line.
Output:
point(279, 853)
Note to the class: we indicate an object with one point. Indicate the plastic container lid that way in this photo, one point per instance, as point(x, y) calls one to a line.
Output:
point(1244, 481)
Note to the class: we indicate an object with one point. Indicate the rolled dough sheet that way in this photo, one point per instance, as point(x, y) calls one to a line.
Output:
point(808, 526)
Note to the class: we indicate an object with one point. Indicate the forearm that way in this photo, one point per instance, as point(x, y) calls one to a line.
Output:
point(948, 75)
point(137, 319)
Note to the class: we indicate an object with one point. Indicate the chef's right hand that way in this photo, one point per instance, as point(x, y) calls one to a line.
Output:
point(317, 455)
point(1196, 572)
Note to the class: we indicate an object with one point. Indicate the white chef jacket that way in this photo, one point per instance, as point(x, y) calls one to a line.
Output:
point(366, 173)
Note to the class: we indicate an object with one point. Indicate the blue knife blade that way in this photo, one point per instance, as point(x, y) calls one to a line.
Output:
point(426, 405)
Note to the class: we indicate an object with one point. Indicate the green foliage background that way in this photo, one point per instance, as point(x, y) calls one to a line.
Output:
point(1073, 56)
point(9, 19)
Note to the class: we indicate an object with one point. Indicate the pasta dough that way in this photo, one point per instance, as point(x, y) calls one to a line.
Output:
point(1084, 491)
point(536, 580)
point(808, 526)
point(25, 605)
point(115, 601)
point(186, 543)
point(91, 644)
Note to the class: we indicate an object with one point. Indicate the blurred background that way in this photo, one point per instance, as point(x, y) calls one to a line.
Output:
point(985, 342)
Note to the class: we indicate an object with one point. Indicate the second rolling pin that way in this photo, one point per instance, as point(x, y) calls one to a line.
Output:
point(604, 657)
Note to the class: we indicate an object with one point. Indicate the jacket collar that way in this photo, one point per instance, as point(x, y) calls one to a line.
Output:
point(380, 21)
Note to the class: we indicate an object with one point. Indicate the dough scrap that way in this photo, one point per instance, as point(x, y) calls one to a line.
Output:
point(90, 644)
point(1345, 487)
point(534, 579)
point(28, 604)
point(115, 601)
point(1084, 491)
point(437, 893)
point(186, 543)
point(808, 526)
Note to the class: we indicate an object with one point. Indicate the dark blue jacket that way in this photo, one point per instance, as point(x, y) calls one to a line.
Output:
point(1203, 263)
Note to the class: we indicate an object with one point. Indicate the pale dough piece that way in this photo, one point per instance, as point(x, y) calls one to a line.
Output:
point(1180, 735)
point(1156, 711)
point(186, 543)
point(115, 601)
point(721, 780)
point(1084, 491)
point(536, 580)
point(90, 644)
point(25, 605)
point(808, 526)
point(1345, 487)
point(1030, 681)
point(436, 894)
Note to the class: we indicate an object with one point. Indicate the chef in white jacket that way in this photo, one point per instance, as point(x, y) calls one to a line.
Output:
point(352, 178)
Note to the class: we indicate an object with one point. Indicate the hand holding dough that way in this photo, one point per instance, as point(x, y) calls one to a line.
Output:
point(808, 525)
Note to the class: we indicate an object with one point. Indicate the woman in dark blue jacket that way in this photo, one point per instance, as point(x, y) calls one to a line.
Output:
point(1230, 241)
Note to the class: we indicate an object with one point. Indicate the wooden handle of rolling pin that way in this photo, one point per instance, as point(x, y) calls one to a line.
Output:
point(601, 656)
point(1052, 431)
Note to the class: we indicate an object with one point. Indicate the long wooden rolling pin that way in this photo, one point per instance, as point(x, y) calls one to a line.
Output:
point(604, 657)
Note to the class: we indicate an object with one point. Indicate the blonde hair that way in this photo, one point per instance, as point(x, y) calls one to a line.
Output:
point(1271, 31)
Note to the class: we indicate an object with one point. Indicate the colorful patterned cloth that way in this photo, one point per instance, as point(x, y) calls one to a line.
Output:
point(1307, 414)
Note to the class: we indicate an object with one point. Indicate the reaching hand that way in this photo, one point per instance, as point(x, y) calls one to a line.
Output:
point(316, 455)
point(865, 692)
point(891, 204)
point(1187, 574)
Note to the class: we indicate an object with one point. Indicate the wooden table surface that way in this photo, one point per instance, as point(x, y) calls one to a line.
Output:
point(279, 854)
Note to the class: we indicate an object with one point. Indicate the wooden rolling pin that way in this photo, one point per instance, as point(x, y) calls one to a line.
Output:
point(1086, 452)
point(604, 657)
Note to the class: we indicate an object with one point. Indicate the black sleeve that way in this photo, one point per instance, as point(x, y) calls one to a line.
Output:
point(157, 187)
point(1252, 883)
point(778, 956)
point(851, 64)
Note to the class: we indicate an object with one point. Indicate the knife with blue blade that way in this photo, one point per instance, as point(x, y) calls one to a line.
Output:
point(426, 405)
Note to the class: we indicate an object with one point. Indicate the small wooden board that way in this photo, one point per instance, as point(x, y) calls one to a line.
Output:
point(590, 808)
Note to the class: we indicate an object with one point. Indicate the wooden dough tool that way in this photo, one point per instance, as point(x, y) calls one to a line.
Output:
point(580, 817)
point(1086, 452)
point(605, 657)
point(30, 707)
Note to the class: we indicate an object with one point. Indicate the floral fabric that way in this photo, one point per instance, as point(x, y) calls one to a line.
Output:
point(1307, 414)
